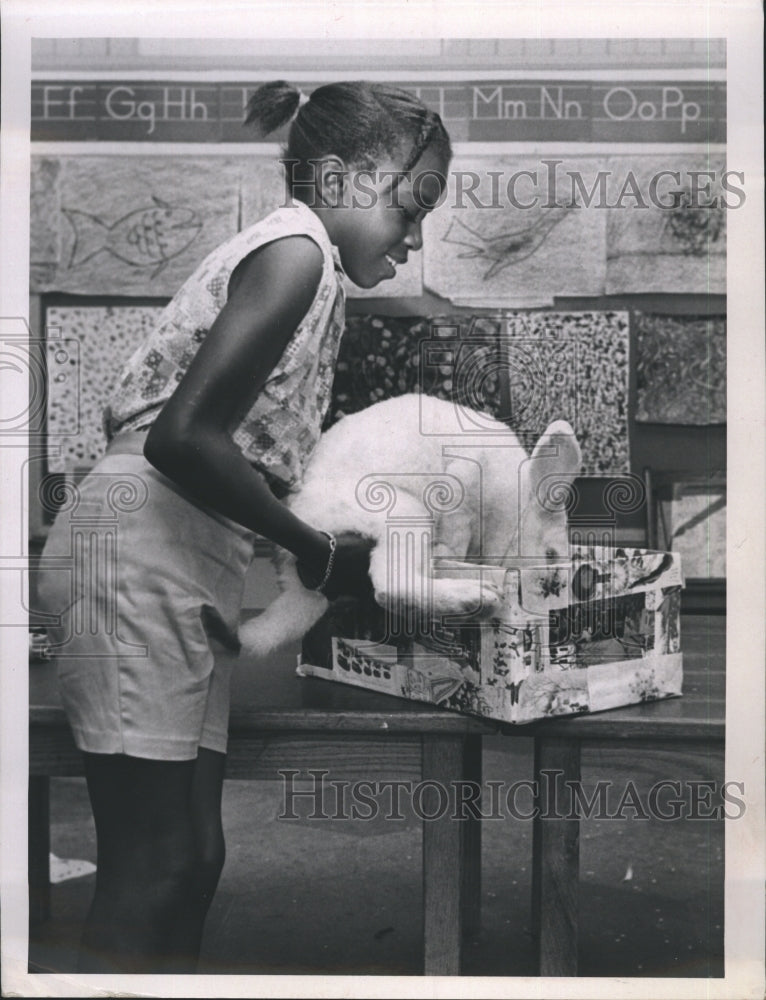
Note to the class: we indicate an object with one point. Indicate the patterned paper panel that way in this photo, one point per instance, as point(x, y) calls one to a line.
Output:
point(86, 347)
point(450, 357)
point(572, 366)
point(516, 232)
point(139, 225)
point(680, 247)
point(681, 369)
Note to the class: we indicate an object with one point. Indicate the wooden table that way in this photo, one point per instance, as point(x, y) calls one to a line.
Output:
point(696, 719)
point(305, 723)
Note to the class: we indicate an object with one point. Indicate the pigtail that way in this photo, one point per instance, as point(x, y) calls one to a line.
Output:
point(273, 105)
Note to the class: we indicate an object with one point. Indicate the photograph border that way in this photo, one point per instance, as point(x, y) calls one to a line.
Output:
point(745, 865)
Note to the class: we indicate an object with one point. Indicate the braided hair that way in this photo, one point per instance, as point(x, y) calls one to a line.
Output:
point(362, 123)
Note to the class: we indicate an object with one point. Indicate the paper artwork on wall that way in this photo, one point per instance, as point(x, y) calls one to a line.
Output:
point(263, 188)
point(679, 248)
point(507, 234)
point(44, 210)
point(86, 348)
point(446, 356)
point(695, 520)
point(572, 366)
point(135, 225)
point(680, 369)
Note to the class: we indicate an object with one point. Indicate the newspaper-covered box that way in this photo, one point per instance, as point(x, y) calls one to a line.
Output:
point(599, 631)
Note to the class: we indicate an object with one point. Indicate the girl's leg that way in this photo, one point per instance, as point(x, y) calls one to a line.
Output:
point(147, 864)
point(206, 792)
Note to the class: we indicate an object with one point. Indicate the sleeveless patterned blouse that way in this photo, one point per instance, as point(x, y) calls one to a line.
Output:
point(280, 430)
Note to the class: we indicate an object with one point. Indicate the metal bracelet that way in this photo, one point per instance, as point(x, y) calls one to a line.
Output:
point(330, 562)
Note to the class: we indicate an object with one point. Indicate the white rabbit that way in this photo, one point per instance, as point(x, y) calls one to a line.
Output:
point(415, 460)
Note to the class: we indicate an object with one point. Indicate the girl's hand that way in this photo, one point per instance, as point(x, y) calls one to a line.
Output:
point(350, 568)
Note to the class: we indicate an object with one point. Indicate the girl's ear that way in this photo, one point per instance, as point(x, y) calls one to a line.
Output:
point(330, 174)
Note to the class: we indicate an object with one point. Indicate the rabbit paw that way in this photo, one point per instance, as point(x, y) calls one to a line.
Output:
point(448, 595)
point(455, 596)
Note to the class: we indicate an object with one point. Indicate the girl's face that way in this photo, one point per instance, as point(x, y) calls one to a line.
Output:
point(379, 222)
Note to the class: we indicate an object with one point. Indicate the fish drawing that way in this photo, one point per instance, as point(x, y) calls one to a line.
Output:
point(506, 248)
point(147, 237)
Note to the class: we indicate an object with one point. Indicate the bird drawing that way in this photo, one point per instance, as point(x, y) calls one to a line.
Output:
point(509, 246)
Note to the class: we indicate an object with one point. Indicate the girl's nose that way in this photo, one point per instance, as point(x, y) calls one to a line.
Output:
point(414, 237)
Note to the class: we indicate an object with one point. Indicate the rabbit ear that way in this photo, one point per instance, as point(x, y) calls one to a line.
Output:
point(556, 458)
point(559, 445)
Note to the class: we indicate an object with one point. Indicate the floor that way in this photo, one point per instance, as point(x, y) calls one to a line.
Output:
point(344, 896)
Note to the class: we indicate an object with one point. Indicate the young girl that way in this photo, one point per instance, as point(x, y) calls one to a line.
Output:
point(215, 417)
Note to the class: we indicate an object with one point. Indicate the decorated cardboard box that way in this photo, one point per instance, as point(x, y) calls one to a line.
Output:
point(597, 632)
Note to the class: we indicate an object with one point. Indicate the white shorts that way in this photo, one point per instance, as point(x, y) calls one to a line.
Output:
point(146, 587)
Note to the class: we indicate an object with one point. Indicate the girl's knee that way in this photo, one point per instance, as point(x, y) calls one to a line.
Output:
point(166, 869)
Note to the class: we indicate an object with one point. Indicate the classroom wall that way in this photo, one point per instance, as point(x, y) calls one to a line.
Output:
point(97, 183)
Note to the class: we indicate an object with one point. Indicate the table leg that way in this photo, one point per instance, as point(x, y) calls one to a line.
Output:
point(442, 856)
point(556, 857)
point(472, 772)
point(39, 839)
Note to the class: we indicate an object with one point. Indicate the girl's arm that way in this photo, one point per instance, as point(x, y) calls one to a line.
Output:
point(191, 441)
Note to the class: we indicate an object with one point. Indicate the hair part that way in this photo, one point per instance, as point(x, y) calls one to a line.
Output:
point(362, 123)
